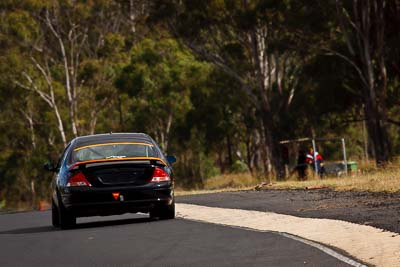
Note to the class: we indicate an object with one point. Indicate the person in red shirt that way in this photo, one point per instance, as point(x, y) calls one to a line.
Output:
point(315, 156)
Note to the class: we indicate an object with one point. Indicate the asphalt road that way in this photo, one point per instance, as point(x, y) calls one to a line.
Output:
point(27, 239)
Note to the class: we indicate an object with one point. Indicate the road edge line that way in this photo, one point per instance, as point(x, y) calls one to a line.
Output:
point(316, 245)
point(324, 249)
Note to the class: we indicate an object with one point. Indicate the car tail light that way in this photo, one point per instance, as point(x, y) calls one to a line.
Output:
point(78, 179)
point(159, 175)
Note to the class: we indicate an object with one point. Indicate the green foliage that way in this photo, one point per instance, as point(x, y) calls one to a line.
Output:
point(160, 78)
point(239, 167)
point(186, 73)
point(21, 25)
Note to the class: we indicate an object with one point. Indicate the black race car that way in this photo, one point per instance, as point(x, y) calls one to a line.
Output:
point(110, 174)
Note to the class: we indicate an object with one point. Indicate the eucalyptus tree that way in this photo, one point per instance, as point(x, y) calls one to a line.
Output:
point(59, 60)
point(72, 57)
point(363, 27)
point(159, 78)
point(253, 42)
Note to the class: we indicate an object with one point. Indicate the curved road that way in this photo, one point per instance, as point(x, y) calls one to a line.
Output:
point(27, 239)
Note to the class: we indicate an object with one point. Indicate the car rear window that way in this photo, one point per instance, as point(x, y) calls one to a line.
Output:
point(113, 151)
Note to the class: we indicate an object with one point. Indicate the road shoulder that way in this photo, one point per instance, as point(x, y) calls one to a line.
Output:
point(369, 244)
point(381, 210)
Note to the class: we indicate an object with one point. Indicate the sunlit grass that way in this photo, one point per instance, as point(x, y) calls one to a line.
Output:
point(231, 181)
point(222, 183)
point(371, 180)
point(182, 192)
point(383, 181)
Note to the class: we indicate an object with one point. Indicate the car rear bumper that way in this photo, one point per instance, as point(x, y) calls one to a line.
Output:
point(82, 202)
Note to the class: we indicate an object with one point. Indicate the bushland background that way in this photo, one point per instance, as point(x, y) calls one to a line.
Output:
point(217, 83)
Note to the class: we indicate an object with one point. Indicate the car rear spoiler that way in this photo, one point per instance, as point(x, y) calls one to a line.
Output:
point(98, 162)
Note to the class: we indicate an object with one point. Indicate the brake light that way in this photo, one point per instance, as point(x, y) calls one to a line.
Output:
point(159, 175)
point(115, 195)
point(78, 179)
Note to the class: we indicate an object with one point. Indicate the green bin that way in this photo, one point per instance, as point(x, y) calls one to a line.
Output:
point(352, 167)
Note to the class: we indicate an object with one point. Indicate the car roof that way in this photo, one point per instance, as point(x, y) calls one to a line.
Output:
point(111, 137)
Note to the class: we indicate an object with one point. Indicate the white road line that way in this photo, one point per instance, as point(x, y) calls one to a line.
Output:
point(370, 245)
point(325, 249)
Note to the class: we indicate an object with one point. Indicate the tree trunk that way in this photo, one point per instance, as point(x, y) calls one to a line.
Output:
point(132, 16)
point(377, 132)
point(249, 154)
point(364, 32)
point(272, 143)
point(229, 147)
point(221, 161)
point(121, 114)
point(167, 131)
point(69, 90)
point(29, 117)
point(49, 98)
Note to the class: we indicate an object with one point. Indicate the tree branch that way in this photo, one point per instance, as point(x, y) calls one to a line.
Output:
point(351, 62)
point(34, 88)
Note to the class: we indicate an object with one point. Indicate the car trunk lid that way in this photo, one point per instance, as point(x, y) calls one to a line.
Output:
point(118, 173)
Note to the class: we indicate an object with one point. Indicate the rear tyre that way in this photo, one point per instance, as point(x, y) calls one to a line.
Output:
point(55, 217)
point(165, 212)
point(67, 220)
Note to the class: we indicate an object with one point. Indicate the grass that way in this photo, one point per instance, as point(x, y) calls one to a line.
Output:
point(223, 183)
point(243, 180)
point(372, 180)
point(382, 181)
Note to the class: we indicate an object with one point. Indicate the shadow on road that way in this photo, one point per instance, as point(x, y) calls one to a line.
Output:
point(30, 230)
point(45, 229)
point(111, 223)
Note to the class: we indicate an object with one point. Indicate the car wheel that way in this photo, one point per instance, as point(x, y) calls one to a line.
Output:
point(55, 217)
point(165, 212)
point(67, 220)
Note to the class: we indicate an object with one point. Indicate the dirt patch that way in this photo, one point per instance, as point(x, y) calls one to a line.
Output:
point(381, 210)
